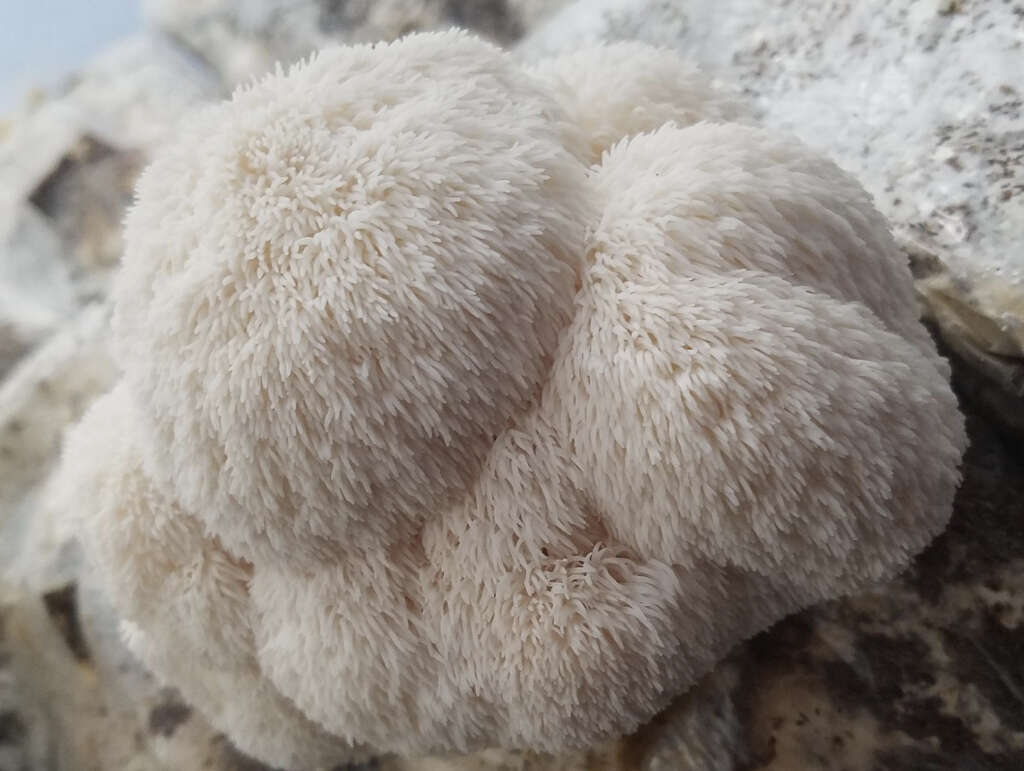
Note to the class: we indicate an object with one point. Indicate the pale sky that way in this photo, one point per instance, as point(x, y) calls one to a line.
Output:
point(42, 41)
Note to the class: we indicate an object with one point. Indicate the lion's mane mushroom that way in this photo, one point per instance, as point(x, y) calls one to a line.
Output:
point(431, 439)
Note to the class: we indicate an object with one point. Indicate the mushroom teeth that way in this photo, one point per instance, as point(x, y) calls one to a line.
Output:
point(432, 436)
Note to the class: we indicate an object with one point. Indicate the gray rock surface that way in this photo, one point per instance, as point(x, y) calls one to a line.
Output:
point(36, 292)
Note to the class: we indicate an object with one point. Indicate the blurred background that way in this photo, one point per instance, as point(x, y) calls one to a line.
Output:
point(922, 100)
point(43, 42)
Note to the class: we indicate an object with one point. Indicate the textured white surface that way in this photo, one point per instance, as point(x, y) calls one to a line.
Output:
point(417, 193)
point(449, 442)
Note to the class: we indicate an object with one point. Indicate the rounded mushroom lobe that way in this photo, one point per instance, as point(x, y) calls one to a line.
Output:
point(182, 597)
point(744, 379)
point(732, 197)
point(340, 286)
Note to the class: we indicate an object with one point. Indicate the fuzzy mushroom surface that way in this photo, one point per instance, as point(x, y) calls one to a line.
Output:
point(465, 407)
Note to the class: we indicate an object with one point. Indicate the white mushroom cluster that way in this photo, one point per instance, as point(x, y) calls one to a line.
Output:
point(466, 405)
